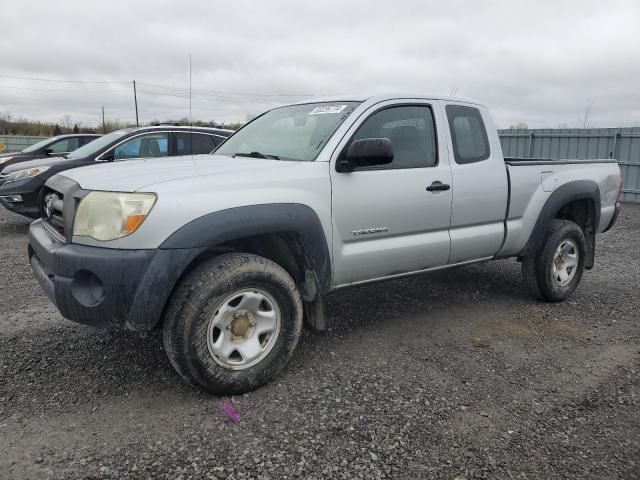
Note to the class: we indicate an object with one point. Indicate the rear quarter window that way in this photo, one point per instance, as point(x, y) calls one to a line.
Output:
point(468, 134)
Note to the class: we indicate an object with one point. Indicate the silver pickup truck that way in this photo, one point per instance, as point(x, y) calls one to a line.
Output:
point(230, 253)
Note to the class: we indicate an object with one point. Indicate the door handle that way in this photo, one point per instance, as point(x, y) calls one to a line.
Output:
point(438, 186)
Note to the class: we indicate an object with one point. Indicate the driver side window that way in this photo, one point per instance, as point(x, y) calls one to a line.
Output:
point(143, 146)
point(65, 145)
point(412, 133)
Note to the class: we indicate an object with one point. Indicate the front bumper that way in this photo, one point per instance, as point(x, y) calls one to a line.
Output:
point(29, 192)
point(103, 287)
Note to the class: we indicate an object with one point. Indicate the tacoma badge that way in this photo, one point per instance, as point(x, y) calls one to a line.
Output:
point(366, 231)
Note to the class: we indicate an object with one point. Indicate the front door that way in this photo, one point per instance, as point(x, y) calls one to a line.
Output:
point(385, 221)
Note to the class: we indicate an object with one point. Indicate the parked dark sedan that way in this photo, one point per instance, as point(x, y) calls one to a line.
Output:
point(51, 147)
point(21, 185)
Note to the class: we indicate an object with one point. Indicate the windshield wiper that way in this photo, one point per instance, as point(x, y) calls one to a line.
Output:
point(256, 155)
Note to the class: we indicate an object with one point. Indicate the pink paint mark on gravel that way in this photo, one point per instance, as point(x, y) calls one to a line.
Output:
point(228, 409)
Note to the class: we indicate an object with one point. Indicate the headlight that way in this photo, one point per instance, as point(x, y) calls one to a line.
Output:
point(5, 159)
point(26, 173)
point(111, 215)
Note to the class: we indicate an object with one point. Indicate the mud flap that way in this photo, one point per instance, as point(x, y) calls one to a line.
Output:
point(314, 315)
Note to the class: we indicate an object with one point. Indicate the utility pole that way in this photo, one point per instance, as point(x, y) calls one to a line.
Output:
point(104, 127)
point(190, 118)
point(135, 99)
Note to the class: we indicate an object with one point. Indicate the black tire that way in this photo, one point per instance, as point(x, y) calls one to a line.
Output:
point(537, 269)
point(197, 299)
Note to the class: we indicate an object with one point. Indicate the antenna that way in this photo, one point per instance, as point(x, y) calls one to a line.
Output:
point(190, 118)
point(135, 100)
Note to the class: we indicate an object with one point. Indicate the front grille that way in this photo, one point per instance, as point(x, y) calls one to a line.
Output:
point(58, 204)
point(52, 210)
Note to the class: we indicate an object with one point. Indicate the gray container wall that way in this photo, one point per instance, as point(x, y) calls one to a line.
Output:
point(623, 144)
point(13, 143)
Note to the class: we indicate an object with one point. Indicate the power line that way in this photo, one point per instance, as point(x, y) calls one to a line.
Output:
point(57, 80)
point(246, 94)
point(150, 89)
point(154, 85)
point(177, 95)
point(216, 97)
point(58, 89)
point(10, 100)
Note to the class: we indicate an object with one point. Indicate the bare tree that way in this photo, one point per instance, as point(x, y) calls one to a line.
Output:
point(67, 122)
point(584, 120)
point(454, 92)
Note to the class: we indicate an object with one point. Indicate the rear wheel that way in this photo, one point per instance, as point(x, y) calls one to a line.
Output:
point(233, 323)
point(555, 270)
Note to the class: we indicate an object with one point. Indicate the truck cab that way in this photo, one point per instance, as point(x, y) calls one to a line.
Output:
point(441, 200)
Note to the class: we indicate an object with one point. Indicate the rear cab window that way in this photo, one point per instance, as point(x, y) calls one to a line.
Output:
point(468, 134)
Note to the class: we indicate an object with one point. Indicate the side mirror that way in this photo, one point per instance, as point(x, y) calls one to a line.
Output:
point(108, 156)
point(367, 152)
point(48, 151)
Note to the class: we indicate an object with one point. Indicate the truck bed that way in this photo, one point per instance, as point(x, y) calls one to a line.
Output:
point(533, 180)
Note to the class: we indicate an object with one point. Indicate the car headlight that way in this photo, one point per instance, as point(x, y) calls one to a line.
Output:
point(5, 159)
point(112, 215)
point(26, 173)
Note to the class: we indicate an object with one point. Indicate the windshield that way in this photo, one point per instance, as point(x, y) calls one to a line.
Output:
point(39, 145)
point(98, 144)
point(296, 132)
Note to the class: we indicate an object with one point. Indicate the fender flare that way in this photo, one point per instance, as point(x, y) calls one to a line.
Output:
point(563, 195)
point(236, 223)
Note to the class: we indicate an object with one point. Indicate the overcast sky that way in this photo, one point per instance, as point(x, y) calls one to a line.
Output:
point(534, 62)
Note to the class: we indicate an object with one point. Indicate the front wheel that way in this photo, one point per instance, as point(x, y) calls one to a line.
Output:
point(554, 271)
point(233, 323)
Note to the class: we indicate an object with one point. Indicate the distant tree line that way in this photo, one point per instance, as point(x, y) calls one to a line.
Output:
point(18, 125)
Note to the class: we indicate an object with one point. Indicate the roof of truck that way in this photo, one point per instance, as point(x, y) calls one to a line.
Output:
point(391, 96)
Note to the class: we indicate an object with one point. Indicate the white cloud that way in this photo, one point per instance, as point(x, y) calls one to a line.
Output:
point(537, 63)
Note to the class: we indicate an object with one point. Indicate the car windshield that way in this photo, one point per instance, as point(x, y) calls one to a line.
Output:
point(39, 145)
point(296, 132)
point(98, 144)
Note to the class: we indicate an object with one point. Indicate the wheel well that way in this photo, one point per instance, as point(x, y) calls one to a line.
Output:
point(582, 212)
point(287, 250)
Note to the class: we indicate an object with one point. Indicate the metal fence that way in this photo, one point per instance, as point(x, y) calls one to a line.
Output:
point(13, 143)
point(623, 144)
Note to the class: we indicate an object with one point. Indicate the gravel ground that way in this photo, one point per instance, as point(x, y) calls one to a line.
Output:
point(453, 375)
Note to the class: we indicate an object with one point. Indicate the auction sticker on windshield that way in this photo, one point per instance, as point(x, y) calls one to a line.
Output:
point(327, 109)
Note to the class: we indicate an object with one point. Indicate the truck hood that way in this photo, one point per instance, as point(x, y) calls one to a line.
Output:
point(139, 174)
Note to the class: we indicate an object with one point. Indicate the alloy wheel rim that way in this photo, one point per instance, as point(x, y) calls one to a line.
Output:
point(243, 329)
point(565, 262)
